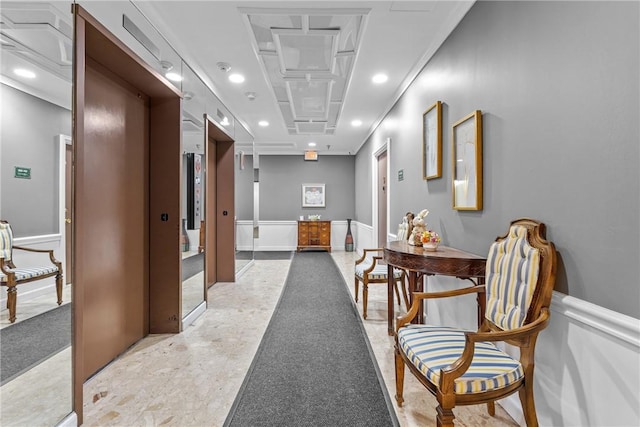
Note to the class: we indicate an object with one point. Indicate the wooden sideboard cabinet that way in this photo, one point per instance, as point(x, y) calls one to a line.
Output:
point(314, 234)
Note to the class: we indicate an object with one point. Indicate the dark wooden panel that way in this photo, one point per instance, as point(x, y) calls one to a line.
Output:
point(165, 296)
point(115, 201)
point(211, 256)
point(225, 212)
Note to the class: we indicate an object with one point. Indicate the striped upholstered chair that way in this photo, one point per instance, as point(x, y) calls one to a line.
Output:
point(11, 276)
point(465, 368)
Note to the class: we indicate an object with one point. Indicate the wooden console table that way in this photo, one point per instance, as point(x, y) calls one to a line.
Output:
point(418, 263)
point(314, 235)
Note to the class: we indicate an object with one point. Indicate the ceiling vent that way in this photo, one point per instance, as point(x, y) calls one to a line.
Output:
point(140, 36)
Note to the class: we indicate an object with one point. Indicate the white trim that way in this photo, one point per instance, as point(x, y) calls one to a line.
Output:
point(193, 315)
point(62, 141)
point(620, 326)
point(34, 240)
point(374, 187)
point(244, 269)
point(70, 420)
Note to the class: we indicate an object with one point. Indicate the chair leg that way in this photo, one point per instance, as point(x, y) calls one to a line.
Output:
point(405, 296)
point(528, 404)
point(397, 293)
point(491, 408)
point(365, 299)
point(356, 286)
point(11, 302)
point(445, 417)
point(59, 287)
point(399, 378)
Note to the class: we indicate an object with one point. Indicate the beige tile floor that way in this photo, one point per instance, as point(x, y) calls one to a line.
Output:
point(191, 379)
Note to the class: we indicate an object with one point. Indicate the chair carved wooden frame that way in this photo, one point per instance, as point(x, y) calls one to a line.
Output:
point(521, 271)
point(12, 276)
point(370, 269)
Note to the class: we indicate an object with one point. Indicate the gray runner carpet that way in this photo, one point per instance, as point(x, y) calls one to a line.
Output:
point(314, 366)
point(27, 343)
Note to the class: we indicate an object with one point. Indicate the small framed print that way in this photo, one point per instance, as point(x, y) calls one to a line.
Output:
point(467, 162)
point(432, 142)
point(313, 196)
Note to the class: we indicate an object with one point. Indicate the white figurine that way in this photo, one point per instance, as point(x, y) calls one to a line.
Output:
point(419, 227)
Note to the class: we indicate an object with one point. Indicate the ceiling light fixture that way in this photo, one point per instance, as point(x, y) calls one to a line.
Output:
point(250, 95)
point(312, 144)
point(25, 73)
point(263, 123)
point(225, 121)
point(174, 77)
point(380, 78)
point(356, 123)
point(236, 78)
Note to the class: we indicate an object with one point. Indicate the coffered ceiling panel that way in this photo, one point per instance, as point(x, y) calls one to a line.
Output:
point(307, 58)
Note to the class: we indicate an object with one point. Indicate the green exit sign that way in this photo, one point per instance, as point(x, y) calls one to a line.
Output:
point(21, 172)
point(401, 175)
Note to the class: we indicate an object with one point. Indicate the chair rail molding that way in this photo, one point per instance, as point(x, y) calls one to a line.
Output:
point(587, 367)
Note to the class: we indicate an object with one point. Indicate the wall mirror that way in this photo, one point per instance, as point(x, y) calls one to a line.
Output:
point(244, 199)
point(35, 198)
point(193, 195)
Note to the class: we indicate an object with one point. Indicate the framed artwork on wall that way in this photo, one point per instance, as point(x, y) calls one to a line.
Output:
point(432, 142)
point(313, 196)
point(466, 137)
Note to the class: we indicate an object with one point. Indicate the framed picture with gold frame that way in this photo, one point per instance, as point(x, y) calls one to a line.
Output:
point(466, 148)
point(432, 142)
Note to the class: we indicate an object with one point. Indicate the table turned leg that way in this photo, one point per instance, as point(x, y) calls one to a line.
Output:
point(390, 312)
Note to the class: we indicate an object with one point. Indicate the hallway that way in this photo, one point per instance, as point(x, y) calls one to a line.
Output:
point(191, 379)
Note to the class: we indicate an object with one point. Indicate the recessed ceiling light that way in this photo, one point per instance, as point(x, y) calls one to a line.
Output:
point(25, 73)
point(263, 123)
point(236, 78)
point(174, 77)
point(312, 144)
point(356, 123)
point(380, 78)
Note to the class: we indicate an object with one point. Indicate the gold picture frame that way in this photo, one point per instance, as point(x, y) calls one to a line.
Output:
point(466, 148)
point(432, 142)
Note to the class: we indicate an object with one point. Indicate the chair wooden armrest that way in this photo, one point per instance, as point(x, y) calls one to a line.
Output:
point(419, 296)
point(460, 366)
point(3, 267)
point(44, 251)
point(365, 252)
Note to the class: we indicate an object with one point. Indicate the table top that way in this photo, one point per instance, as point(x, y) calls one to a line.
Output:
point(445, 260)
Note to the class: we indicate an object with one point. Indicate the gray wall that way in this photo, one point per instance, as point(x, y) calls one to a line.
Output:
point(29, 129)
point(558, 85)
point(281, 179)
point(244, 189)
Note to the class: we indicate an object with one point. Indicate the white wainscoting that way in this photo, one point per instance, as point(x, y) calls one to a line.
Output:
point(283, 235)
point(587, 359)
point(37, 288)
point(244, 235)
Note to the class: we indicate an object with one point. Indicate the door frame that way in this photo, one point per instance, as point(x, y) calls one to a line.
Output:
point(63, 141)
point(386, 146)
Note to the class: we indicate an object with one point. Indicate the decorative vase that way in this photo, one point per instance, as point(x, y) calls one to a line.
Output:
point(184, 237)
point(348, 240)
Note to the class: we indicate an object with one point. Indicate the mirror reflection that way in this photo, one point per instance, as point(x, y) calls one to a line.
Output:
point(244, 199)
point(35, 201)
point(193, 192)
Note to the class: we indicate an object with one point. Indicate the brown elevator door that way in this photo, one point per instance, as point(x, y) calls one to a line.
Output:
point(115, 207)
